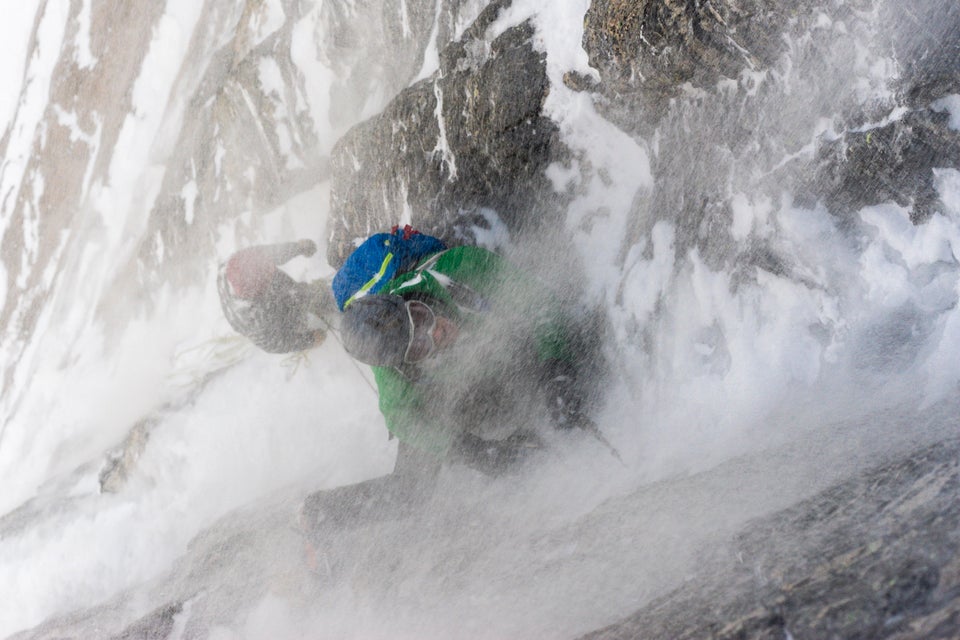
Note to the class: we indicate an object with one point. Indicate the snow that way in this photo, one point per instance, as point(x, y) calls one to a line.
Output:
point(442, 147)
point(92, 139)
point(405, 20)
point(950, 104)
point(15, 32)
point(317, 77)
point(559, 33)
point(30, 240)
point(431, 56)
point(712, 364)
point(189, 194)
point(268, 19)
point(136, 173)
point(941, 368)
point(218, 454)
point(84, 57)
point(271, 80)
point(749, 217)
point(33, 99)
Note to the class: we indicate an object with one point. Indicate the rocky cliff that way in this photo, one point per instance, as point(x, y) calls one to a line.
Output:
point(728, 99)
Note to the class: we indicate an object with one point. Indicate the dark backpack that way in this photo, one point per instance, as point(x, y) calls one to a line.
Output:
point(378, 260)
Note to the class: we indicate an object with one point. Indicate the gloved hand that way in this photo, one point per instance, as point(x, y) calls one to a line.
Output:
point(493, 457)
point(307, 247)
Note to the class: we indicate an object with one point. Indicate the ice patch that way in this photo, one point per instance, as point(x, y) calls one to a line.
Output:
point(271, 79)
point(823, 21)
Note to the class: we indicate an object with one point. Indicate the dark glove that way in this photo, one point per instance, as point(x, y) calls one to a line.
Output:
point(564, 400)
point(492, 457)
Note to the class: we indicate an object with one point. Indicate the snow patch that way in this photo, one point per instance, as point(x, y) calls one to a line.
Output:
point(26, 127)
point(495, 236)
point(84, 57)
point(431, 55)
point(317, 77)
point(405, 20)
point(189, 194)
point(950, 104)
point(750, 217)
point(443, 147)
point(15, 31)
point(273, 85)
point(266, 21)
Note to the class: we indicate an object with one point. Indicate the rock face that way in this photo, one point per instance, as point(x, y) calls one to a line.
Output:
point(241, 142)
point(244, 128)
point(646, 50)
point(889, 163)
point(879, 553)
point(41, 188)
point(376, 48)
point(246, 143)
point(450, 149)
point(121, 462)
point(668, 67)
point(894, 161)
point(876, 557)
point(468, 147)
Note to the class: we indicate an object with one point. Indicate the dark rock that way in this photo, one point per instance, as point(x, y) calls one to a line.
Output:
point(875, 557)
point(646, 50)
point(872, 164)
point(660, 60)
point(453, 148)
point(927, 47)
point(123, 459)
point(889, 163)
point(158, 625)
point(376, 48)
point(580, 81)
point(272, 143)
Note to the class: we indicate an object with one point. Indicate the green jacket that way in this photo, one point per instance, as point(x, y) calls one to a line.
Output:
point(511, 328)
